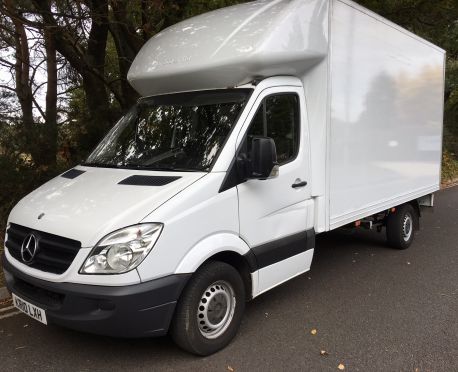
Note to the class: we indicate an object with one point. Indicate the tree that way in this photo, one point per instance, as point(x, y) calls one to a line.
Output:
point(17, 37)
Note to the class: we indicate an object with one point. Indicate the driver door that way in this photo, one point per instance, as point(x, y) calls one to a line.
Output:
point(276, 214)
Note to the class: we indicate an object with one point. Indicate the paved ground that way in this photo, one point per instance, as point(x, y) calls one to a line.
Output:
point(374, 309)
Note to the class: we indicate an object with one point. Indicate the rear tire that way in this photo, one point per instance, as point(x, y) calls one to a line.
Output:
point(210, 309)
point(400, 227)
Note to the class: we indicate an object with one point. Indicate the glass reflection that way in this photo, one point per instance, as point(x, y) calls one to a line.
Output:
point(182, 132)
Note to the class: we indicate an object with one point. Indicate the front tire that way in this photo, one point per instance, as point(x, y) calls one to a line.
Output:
point(400, 227)
point(210, 309)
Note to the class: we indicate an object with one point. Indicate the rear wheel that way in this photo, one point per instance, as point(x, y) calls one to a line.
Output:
point(400, 227)
point(210, 309)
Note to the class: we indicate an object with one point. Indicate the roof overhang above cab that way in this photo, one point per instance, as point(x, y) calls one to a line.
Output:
point(232, 46)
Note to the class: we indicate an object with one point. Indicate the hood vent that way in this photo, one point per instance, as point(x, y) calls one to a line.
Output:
point(72, 173)
point(148, 180)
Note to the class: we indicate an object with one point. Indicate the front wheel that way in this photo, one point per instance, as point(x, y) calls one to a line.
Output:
point(210, 309)
point(400, 227)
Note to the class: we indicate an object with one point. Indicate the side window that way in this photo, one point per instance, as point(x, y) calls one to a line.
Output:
point(278, 118)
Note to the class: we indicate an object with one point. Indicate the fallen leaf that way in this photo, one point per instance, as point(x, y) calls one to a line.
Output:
point(26, 325)
point(7, 301)
point(229, 368)
point(323, 352)
point(313, 331)
point(341, 366)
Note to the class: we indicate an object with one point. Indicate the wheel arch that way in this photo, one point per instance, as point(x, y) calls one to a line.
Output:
point(242, 264)
point(227, 248)
point(416, 206)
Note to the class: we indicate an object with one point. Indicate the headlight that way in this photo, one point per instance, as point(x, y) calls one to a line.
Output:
point(122, 250)
point(6, 232)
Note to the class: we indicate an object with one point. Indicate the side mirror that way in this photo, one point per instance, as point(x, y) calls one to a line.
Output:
point(263, 158)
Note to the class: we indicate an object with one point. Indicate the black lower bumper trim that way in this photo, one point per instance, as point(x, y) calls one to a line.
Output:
point(141, 310)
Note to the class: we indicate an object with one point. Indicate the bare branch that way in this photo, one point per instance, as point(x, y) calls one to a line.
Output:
point(35, 68)
point(37, 88)
point(37, 106)
point(6, 62)
point(7, 88)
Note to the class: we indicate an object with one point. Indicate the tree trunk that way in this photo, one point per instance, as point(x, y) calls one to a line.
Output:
point(128, 44)
point(89, 62)
point(94, 72)
point(50, 131)
point(23, 86)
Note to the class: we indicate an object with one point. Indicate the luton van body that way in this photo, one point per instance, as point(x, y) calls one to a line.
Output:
point(260, 125)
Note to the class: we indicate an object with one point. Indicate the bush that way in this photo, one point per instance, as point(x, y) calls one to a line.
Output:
point(449, 167)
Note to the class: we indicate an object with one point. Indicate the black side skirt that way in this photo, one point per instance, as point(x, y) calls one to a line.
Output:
point(279, 250)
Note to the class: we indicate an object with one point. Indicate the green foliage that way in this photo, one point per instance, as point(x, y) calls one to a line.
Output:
point(449, 167)
point(75, 135)
point(451, 109)
point(19, 176)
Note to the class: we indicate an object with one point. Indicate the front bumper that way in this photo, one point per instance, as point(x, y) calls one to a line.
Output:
point(141, 310)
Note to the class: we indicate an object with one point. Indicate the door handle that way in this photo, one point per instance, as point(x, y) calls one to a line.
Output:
point(298, 184)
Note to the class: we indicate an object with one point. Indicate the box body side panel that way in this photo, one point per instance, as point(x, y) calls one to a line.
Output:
point(386, 115)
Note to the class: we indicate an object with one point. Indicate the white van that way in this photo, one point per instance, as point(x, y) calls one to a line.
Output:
point(261, 125)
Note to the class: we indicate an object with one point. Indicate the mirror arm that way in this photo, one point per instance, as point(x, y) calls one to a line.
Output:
point(242, 164)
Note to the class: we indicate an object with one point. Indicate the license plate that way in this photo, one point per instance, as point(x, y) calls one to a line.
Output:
point(29, 309)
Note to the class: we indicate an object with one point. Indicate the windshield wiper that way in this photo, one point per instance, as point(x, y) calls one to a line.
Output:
point(98, 165)
point(172, 152)
point(172, 169)
point(141, 167)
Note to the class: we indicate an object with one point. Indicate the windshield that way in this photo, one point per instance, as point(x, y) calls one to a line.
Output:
point(182, 132)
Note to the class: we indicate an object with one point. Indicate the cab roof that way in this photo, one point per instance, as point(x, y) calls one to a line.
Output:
point(233, 46)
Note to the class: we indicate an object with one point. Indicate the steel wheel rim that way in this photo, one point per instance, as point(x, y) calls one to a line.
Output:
point(407, 227)
point(216, 309)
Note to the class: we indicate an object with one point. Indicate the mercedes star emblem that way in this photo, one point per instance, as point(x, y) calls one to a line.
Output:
point(29, 248)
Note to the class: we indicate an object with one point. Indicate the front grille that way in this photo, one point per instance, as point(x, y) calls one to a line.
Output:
point(54, 253)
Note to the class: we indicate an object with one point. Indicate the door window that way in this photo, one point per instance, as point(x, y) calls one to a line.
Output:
point(278, 118)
